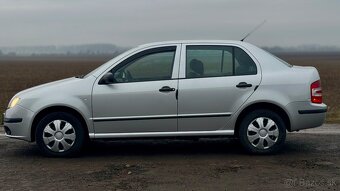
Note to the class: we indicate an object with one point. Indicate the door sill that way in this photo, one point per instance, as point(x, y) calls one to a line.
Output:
point(160, 134)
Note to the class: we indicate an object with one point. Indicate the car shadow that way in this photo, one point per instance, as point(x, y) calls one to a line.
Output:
point(165, 147)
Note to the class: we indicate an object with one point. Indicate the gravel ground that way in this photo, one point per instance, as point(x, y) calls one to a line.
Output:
point(309, 160)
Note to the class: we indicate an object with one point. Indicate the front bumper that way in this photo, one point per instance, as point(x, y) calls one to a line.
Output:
point(304, 115)
point(17, 123)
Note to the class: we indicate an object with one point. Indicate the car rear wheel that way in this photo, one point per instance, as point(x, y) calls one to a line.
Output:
point(262, 132)
point(60, 134)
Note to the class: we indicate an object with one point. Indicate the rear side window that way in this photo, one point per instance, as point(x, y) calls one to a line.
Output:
point(244, 65)
point(215, 61)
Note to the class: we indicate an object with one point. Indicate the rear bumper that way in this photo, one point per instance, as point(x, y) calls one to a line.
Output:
point(17, 122)
point(304, 115)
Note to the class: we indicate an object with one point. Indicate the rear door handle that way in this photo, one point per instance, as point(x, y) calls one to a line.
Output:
point(166, 89)
point(244, 85)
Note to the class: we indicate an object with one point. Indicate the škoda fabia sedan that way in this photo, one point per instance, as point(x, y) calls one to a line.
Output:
point(173, 89)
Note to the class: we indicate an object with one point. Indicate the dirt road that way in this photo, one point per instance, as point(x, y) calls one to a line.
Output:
point(310, 160)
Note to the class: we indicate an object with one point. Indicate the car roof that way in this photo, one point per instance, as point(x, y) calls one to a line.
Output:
point(195, 42)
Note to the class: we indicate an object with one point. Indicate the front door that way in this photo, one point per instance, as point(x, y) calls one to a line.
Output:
point(214, 82)
point(142, 97)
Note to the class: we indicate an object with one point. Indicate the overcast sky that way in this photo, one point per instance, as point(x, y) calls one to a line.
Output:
point(129, 23)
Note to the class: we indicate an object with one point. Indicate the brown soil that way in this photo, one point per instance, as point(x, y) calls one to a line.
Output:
point(308, 161)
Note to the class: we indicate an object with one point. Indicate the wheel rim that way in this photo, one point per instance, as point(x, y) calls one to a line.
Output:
point(262, 133)
point(59, 136)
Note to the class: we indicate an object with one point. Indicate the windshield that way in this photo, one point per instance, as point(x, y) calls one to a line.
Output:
point(110, 62)
point(93, 71)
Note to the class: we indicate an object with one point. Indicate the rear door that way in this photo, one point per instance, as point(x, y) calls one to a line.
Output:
point(214, 82)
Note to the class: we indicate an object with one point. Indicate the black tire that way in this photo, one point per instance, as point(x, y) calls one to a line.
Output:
point(267, 114)
point(78, 131)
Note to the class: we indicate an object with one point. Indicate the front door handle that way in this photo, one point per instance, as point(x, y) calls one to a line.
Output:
point(244, 85)
point(166, 89)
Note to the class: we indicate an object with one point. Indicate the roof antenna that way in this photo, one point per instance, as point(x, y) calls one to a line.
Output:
point(258, 26)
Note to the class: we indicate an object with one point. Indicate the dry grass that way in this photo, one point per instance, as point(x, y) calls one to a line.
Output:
point(17, 74)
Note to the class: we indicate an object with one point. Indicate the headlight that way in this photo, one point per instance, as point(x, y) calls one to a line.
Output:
point(14, 102)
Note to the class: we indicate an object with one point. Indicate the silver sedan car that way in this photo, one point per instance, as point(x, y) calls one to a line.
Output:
point(173, 89)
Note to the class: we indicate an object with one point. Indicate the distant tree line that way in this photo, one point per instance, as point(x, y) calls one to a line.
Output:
point(113, 50)
point(68, 50)
point(8, 54)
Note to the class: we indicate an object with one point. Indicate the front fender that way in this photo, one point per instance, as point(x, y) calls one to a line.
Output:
point(80, 104)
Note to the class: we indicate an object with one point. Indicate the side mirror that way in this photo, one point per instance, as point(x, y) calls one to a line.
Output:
point(108, 78)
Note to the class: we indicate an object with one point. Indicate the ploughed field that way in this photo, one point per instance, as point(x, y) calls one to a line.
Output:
point(19, 73)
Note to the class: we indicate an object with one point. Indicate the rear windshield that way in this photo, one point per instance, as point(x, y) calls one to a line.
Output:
point(279, 59)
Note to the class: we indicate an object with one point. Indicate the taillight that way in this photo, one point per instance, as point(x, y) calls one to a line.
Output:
point(316, 92)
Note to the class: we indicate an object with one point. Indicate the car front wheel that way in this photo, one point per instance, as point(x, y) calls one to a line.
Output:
point(60, 134)
point(262, 132)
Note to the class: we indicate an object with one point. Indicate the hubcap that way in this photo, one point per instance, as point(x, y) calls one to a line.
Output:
point(59, 136)
point(262, 133)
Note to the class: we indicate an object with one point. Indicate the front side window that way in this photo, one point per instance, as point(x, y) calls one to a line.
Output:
point(215, 61)
point(148, 67)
